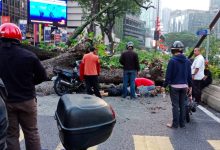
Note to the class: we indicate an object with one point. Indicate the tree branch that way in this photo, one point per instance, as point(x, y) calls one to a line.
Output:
point(145, 7)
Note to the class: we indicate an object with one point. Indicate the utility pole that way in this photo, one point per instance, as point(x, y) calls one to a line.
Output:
point(157, 26)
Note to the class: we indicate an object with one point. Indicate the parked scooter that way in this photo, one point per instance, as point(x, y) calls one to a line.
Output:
point(67, 81)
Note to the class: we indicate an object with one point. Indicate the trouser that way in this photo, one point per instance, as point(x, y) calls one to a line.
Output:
point(196, 90)
point(25, 115)
point(129, 75)
point(92, 85)
point(178, 97)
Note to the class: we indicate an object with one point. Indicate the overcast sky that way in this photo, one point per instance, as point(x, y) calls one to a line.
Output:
point(185, 4)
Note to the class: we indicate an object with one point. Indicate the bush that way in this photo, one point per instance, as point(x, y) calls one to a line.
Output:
point(215, 70)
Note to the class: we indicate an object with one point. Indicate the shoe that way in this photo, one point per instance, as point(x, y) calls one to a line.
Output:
point(123, 96)
point(134, 98)
point(182, 126)
point(171, 126)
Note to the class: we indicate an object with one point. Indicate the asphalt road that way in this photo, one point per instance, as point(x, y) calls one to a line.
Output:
point(141, 125)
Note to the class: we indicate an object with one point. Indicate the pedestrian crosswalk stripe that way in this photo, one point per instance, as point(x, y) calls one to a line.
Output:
point(152, 143)
point(21, 137)
point(215, 144)
point(60, 147)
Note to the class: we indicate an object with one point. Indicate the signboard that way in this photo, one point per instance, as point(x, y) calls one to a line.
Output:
point(23, 28)
point(47, 34)
point(203, 32)
point(48, 11)
point(5, 19)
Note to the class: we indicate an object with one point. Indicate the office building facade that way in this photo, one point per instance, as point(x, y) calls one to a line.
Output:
point(134, 27)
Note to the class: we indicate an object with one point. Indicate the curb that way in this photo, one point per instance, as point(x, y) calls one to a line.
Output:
point(211, 96)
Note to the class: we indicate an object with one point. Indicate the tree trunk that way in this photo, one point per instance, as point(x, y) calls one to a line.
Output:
point(110, 38)
point(63, 61)
point(82, 27)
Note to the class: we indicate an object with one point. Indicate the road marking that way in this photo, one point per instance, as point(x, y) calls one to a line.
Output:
point(152, 143)
point(215, 144)
point(60, 147)
point(21, 137)
point(210, 114)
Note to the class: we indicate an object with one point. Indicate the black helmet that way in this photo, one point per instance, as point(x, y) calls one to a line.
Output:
point(130, 44)
point(177, 46)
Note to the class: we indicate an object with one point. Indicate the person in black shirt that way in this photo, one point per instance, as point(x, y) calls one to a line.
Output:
point(20, 71)
point(129, 61)
point(208, 77)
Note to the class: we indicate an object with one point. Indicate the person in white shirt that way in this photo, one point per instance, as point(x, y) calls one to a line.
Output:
point(198, 68)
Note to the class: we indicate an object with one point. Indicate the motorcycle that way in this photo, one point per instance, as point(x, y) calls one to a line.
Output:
point(190, 108)
point(67, 81)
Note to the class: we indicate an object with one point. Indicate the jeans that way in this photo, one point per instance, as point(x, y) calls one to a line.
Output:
point(129, 75)
point(25, 115)
point(145, 90)
point(178, 99)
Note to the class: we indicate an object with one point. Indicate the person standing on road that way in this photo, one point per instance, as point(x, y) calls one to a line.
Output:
point(91, 71)
point(198, 68)
point(20, 71)
point(129, 61)
point(179, 79)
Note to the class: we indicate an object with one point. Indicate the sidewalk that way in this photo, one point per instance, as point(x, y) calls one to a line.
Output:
point(211, 96)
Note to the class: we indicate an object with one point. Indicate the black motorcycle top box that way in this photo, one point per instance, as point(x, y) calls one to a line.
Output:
point(83, 121)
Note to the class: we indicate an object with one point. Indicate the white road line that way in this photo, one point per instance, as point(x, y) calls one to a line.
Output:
point(210, 114)
point(215, 144)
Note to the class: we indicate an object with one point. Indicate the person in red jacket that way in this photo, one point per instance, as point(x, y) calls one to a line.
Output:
point(144, 86)
point(143, 82)
point(90, 69)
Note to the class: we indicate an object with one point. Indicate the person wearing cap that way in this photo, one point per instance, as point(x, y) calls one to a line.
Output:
point(179, 79)
point(20, 70)
point(130, 62)
point(198, 67)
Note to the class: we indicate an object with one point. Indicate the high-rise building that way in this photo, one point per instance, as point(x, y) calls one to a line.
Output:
point(166, 12)
point(14, 9)
point(75, 15)
point(189, 20)
point(214, 5)
point(134, 27)
point(213, 9)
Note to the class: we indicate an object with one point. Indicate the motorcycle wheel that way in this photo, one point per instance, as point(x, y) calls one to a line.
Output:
point(60, 89)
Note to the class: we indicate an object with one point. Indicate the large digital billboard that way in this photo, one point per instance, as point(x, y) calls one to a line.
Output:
point(48, 11)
